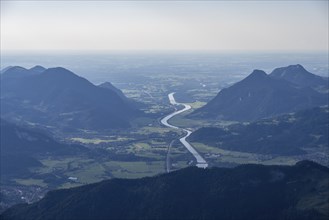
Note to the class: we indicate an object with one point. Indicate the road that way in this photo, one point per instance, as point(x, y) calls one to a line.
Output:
point(201, 163)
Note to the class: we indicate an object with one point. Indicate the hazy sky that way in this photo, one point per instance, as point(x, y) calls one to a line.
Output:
point(164, 25)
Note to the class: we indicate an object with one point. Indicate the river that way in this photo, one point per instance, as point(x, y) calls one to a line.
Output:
point(200, 161)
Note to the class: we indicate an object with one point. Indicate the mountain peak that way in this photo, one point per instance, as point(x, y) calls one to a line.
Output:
point(296, 67)
point(257, 72)
point(16, 69)
point(106, 85)
point(5, 69)
point(298, 75)
point(58, 69)
point(111, 87)
point(289, 70)
point(260, 95)
point(256, 75)
point(62, 91)
point(38, 69)
point(13, 72)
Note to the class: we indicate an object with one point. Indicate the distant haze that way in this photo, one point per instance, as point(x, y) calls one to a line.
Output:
point(164, 25)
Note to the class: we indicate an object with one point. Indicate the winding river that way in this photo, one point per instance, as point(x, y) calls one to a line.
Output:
point(200, 162)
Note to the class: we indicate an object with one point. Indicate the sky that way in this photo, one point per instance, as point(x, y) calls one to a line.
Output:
point(165, 25)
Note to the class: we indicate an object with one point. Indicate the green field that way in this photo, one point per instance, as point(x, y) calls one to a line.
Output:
point(31, 182)
point(97, 140)
point(135, 169)
point(236, 157)
point(196, 104)
point(89, 171)
point(148, 150)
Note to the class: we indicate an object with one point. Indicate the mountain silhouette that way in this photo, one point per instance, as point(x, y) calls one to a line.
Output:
point(58, 97)
point(22, 146)
point(298, 75)
point(258, 96)
point(296, 192)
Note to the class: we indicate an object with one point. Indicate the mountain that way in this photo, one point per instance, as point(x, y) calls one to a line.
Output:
point(38, 69)
point(20, 72)
point(5, 69)
point(110, 86)
point(244, 192)
point(298, 75)
point(131, 102)
point(23, 150)
point(21, 147)
point(259, 96)
point(57, 97)
point(287, 134)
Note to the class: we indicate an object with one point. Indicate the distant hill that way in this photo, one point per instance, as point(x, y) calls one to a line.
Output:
point(5, 69)
point(21, 148)
point(20, 72)
point(110, 86)
point(38, 69)
point(57, 97)
point(298, 75)
point(255, 192)
point(287, 134)
point(259, 96)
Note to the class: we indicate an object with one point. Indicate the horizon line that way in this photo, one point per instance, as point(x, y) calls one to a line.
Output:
point(149, 51)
